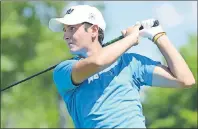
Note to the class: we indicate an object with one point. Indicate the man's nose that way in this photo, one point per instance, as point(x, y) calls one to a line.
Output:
point(66, 36)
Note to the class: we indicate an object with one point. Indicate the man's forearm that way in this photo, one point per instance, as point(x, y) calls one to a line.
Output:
point(175, 61)
point(110, 53)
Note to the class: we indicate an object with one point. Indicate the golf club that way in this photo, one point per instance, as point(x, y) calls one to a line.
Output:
point(156, 23)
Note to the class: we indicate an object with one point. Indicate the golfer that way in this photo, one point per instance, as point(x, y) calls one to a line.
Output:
point(100, 85)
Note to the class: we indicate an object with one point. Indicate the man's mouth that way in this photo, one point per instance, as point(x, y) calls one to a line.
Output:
point(70, 44)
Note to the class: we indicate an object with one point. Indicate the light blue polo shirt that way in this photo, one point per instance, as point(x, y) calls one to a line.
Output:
point(110, 98)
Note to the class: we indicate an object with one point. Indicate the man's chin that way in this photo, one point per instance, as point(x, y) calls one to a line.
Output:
point(74, 52)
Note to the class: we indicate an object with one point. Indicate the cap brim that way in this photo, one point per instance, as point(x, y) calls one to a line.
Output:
point(56, 24)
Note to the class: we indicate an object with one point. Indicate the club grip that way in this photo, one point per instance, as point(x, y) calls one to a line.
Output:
point(156, 23)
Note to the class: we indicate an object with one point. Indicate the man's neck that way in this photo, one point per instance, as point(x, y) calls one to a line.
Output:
point(92, 49)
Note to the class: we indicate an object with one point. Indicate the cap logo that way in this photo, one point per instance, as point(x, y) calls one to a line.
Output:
point(69, 11)
point(91, 16)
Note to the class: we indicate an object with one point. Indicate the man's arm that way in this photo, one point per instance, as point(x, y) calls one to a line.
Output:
point(99, 61)
point(177, 74)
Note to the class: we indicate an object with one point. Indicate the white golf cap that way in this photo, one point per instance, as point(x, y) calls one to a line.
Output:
point(76, 15)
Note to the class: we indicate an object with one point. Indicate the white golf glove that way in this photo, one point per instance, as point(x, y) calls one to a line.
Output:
point(149, 31)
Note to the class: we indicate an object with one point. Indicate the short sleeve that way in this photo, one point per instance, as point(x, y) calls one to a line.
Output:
point(146, 67)
point(62, 76)
point(143, 68)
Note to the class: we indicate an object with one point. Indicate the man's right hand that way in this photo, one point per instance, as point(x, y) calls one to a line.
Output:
point(133, 30)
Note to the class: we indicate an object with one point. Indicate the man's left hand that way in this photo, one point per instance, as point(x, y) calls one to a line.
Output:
point(151, 32)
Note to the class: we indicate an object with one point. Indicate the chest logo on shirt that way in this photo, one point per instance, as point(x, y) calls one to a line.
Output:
point(92, 78)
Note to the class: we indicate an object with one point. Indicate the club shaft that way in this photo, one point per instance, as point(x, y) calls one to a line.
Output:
point(52, 67)
point(48, 69)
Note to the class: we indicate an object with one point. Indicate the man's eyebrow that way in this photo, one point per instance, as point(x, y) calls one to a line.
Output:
point(70, 25)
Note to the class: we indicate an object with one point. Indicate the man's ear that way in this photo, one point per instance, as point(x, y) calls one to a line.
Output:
point(94, 30)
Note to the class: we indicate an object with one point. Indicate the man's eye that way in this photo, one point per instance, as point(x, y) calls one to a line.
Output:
point(72, 28)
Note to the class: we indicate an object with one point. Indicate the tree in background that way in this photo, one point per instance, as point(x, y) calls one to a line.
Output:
point(175, 108)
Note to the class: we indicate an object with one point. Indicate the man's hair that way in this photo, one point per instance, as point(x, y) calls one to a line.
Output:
point(100, 32)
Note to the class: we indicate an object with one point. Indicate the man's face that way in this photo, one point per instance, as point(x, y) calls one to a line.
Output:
point(77, 38)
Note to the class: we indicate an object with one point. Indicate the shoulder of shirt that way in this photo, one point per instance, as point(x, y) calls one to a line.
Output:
point(66, 62)
point(135, 55)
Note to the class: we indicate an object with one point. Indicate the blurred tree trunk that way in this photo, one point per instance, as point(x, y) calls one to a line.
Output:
point(9, 122)
point(63, 123)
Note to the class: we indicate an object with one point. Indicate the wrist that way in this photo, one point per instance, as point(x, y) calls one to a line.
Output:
point(131, 39)
point(134, 40)
point(161, 39)
point(158, 36)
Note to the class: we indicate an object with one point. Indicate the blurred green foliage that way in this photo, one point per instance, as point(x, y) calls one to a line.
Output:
point(174, 108)
point(27, 47)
